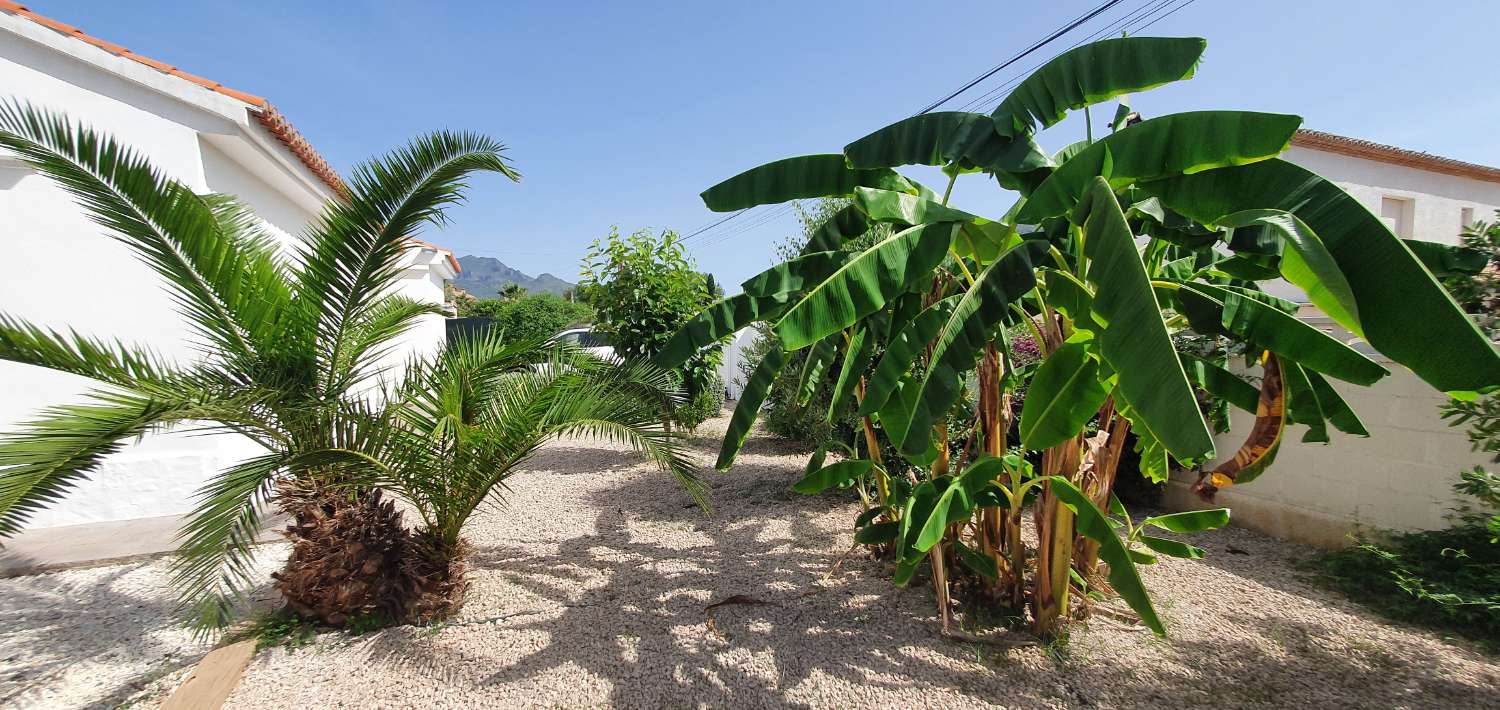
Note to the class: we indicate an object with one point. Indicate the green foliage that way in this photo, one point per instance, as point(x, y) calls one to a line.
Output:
point(1479, 293)
point(1446, 579)
point(288, 337)
point(644, 288)
point(530, 317)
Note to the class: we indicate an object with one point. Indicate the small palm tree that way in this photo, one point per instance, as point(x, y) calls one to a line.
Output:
point(465, 420)
point(512, 292)
point(287, 344)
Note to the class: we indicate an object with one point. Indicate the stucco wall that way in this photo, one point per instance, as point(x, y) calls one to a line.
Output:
point(65, 272)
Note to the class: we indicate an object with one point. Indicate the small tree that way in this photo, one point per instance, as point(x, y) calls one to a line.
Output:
point(643, 288)
point(531, 318)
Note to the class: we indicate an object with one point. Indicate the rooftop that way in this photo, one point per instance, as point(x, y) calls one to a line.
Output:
point(1370, 150)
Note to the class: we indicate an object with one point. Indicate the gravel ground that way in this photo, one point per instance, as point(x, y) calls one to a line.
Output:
point(590, 588)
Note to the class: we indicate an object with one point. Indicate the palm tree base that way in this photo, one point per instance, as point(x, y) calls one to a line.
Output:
point(349, 555)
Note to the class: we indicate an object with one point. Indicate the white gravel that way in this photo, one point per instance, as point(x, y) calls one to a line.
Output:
point(590, 588)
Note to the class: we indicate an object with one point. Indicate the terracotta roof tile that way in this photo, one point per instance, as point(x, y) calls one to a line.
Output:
point(1370, 150)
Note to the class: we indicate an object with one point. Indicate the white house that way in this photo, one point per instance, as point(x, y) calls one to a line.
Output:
point(64, 271)
point(1400, 477)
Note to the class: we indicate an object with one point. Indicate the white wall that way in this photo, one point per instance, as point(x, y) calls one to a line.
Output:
point(65, 272)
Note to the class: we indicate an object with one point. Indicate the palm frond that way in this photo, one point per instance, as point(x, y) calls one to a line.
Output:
point(113, 363)
point(373, 336)
point(354, 250)
point(47, 457)
point(169, 227)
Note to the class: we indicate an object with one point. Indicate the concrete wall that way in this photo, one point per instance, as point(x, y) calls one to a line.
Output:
point(64, 272)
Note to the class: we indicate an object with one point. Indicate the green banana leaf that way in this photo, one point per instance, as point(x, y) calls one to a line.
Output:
point(1221, 383)
point(1094, 73)
point(982, 565)
point(901, 208)
point(962, 339)
point(1190, 521)
point(864, 284)
point(795, 275)
point(1175, 144)
point(902, 351)
point(717, 322)
point(748, 408)
point(1403, 309)
point(1136, 343)
point(1306, 264)
point(944, 138)
point(957, 501)
point(815, 367)
point(1218, 311)
point(878, 533)
point(833, 476)
point(1338, 411)
point(848, 223)
point(856, 359)
point(1172, 548)
point(1445, 260)
point(1123, 576)
point(1064, 395)
point(802, 177)
point(1302, 403)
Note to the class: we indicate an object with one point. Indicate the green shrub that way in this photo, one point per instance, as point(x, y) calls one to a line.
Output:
point(644, 288)
point(530, 317)
point(706, 404)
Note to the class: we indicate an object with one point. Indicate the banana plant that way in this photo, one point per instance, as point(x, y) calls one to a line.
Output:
point(1115, 243)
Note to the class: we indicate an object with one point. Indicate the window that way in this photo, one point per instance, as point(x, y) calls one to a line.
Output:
point(1397, 212)
point(1465, 218)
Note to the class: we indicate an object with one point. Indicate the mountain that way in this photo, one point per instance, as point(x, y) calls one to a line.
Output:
point(484, 276)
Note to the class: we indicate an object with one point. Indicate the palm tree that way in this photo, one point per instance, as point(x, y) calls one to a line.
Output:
point(512, 292)
point(288, 343)
point(465, 420)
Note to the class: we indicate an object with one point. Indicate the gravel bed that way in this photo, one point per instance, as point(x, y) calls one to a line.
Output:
point(591, 585)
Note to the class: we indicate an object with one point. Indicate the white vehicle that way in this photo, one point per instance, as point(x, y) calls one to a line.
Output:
point(593, 342)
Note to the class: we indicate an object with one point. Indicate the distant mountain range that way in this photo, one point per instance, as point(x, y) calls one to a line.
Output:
point(484, 276)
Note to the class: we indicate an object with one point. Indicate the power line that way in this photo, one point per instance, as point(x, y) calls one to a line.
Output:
point(1065, 29)
point(1024, 53)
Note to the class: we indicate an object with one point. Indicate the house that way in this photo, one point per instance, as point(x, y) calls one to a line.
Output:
point(1400, 477)
point(66, 272)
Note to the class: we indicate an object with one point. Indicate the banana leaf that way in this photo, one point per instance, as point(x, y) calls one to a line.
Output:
point(1136, 343)
point(901, 208)
point(1302, 403)
point(795, 275)
point(1218, 311)
point(1123, 576)
point(748, 408)
point(1175, 144)
point(1445, 260)
point(1172, 548)
point(848, 223)
point(956, 502)
point(1259, 449)
point(802, 177)
point(864, 284)
point(1093, 73)
point(856, 359)
point(1339, 413)
point(815, 366)
point(1402, 308)
point(1190, 521)
point(717, 322)
point(1064, 395)
point(902, 351)
point(962, 339)
point(968, 140)
point(1306, 263)
point(833, 476)
point(1221, 383)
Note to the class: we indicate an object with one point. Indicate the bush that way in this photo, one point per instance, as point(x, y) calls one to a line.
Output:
point(644, 288)
point(706, 404)
point(530, 317)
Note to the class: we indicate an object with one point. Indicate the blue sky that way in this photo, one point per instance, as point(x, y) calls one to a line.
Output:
point(621, 113)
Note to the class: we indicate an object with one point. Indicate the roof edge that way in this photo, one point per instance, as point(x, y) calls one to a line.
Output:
point(1380, 152)
point(265, 113)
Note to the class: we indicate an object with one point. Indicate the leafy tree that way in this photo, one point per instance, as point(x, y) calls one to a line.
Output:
point(512, 292)
point(288, 342)
point(644, 287)
point(1115, 244)
point(530, 318)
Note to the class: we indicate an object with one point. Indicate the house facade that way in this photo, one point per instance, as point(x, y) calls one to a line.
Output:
point(70, 274)
point(1401, 477)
